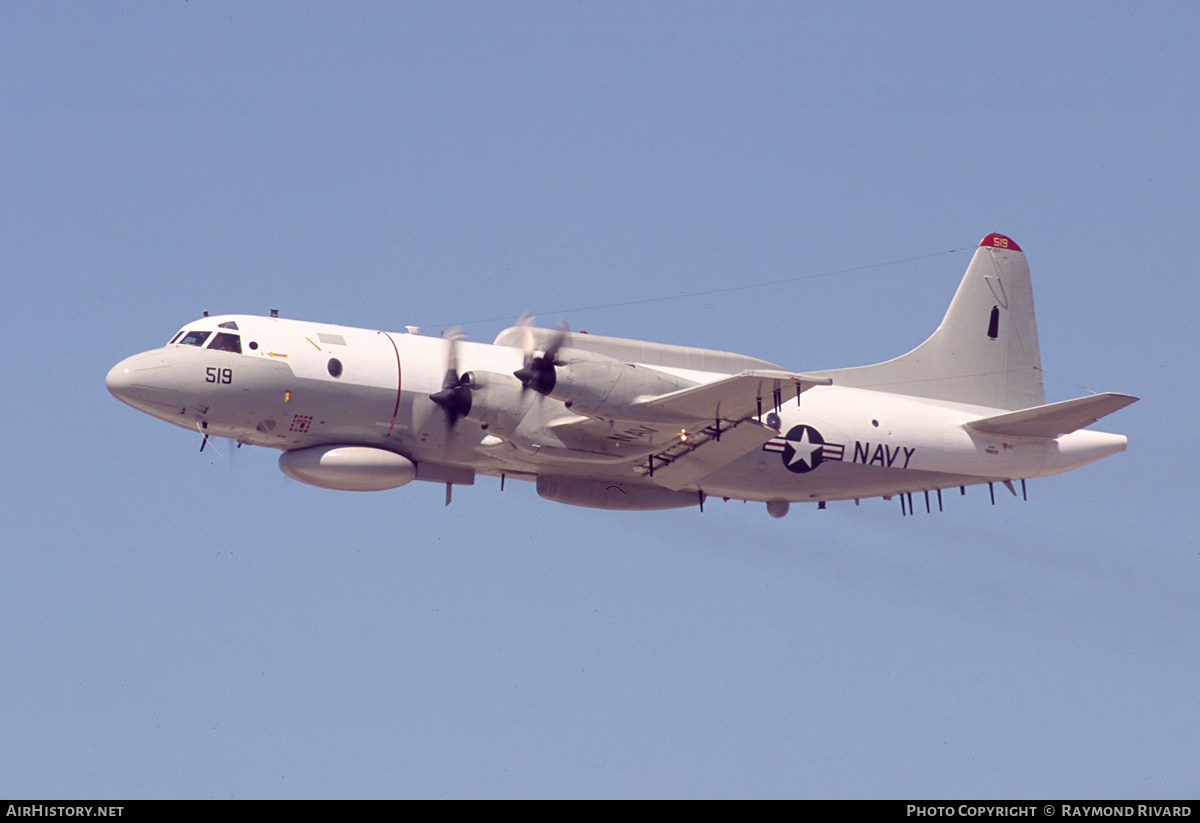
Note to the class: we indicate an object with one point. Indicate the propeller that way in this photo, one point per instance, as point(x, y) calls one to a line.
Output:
point(538, 372)
point(455, 395)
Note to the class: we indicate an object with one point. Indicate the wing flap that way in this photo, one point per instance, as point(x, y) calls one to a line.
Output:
point(1055, 419)
point(703, 452)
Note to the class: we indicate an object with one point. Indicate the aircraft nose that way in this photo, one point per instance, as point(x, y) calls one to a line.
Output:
point(118, 380)
point(143, 380)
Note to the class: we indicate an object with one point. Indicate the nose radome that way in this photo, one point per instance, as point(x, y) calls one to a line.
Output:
point(118, 380)
point(144, 381)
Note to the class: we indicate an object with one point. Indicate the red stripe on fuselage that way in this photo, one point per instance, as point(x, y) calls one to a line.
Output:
point(395, 411)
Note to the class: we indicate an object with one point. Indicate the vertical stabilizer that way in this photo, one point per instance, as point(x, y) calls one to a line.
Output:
point(985, 352)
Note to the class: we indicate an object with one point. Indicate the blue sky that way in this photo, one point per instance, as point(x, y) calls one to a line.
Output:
point(178, 624)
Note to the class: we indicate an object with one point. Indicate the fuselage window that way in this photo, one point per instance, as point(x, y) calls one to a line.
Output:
point(224, 341)
point(194, 338)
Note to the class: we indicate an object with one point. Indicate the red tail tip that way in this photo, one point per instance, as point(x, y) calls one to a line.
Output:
point(998, 241)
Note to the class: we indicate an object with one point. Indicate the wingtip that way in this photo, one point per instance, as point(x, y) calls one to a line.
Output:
point(998, 241)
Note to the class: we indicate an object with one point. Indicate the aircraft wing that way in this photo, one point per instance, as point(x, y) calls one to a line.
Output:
point(729, 398)
point(687, 461)
point(685, 435)
point(1055, 419)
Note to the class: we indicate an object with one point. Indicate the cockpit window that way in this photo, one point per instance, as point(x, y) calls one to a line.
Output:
point(194, 338)
point(178, 334)
point(224, 341)
point(228, 324)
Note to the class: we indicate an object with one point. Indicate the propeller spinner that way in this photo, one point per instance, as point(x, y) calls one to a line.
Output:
point(455, 395)
point(538, 373)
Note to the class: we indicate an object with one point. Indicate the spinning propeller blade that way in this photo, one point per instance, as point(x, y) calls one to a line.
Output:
point(455, 395)
point(538, 372)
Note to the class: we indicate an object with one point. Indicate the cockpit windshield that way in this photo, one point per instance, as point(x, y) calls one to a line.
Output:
point(221, 341)
point(194, 338)
point(224, 341)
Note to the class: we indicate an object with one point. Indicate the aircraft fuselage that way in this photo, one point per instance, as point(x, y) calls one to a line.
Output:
point(295, 385)
point(627, 424)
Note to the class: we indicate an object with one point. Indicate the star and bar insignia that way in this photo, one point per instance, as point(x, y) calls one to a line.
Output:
point(804, 449)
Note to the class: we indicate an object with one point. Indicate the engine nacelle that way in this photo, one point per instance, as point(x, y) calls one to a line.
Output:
point(593, 385)
point(498, 402)
point(604, 494)
point(349, 468)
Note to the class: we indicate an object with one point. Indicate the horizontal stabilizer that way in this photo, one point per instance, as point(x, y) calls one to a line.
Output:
point(1054, 419)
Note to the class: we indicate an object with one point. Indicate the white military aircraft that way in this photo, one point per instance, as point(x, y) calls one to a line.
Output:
point(625, 424)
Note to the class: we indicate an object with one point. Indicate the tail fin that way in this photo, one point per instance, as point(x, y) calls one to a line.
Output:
point(985, 352)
